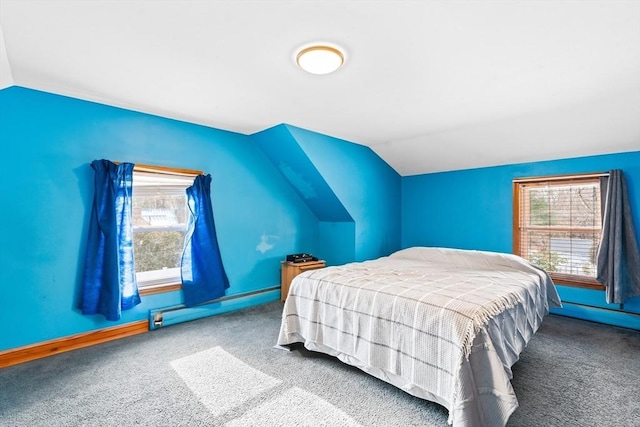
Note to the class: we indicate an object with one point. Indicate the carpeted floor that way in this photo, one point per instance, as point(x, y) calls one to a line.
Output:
point(224, 371)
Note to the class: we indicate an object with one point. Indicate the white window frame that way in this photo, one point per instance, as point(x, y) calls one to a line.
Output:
point(169, 181)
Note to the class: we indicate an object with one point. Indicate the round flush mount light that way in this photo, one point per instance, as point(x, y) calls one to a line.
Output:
point(320, 59)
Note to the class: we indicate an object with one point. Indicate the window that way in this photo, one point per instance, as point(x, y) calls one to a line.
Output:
point(557, 226)
point(160, 219)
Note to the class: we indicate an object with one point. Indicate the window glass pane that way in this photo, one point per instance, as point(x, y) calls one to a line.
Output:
point(160, 217)
point(561, 203)
point(539, 212)
point(563, 252)
point(157, 250)
point(159, 210)
point(585, 206)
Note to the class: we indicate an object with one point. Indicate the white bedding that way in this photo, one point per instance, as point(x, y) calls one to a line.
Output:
point(445, 325)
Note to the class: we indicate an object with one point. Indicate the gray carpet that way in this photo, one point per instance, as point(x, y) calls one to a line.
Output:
point(573, 373)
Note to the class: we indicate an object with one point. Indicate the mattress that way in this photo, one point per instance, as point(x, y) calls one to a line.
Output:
point(442, 324)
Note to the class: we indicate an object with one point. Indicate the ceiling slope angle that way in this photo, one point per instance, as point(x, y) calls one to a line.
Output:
point(6, 79)
point(429, 86)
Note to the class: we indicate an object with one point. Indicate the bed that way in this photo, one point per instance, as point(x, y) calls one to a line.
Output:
point(445, 325)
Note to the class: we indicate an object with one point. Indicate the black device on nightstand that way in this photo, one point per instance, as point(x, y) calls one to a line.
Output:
point(301, 258)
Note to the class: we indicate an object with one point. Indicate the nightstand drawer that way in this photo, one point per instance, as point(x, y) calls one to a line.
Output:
point(291, 270)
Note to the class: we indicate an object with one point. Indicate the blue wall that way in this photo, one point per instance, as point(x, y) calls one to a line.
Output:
point(46, 145)
point(473, 209)
point(368, 188)
point(47, 142)
point(352, 191)
point(294, 164)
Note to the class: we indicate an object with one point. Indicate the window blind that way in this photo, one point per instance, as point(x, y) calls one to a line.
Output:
point(560, 224)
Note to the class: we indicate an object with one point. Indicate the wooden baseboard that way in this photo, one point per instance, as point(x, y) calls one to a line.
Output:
point(60, 345)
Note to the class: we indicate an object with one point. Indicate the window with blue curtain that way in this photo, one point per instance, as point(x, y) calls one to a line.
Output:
point(109, 281)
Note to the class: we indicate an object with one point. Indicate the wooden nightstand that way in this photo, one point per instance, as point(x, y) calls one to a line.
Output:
point(291, 270)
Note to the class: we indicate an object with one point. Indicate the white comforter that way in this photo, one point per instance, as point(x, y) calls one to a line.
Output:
point(445, 325)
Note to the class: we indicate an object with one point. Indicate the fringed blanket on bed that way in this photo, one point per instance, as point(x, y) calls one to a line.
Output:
point(442, 324)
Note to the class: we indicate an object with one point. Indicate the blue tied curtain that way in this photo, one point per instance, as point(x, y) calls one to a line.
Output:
point(618, 261)
point(109, 281)
point(203, 275)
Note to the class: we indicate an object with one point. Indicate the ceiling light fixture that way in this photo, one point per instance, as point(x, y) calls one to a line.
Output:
point(320, 59)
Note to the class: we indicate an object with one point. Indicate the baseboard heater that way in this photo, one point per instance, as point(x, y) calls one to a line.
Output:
point(622, 319)
point(180, 313)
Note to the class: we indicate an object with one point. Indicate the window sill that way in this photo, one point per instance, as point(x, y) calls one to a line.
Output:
point(576, 281)
point(158, 289)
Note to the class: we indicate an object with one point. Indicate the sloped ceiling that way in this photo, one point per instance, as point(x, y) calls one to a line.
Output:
point(6, 79)
point(428, 85)
point(298, 169)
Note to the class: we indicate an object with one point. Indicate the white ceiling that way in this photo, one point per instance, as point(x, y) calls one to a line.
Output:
point(428, 85)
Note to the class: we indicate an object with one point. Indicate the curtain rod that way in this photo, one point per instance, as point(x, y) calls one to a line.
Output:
point(562, 177)
point(164, 170)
